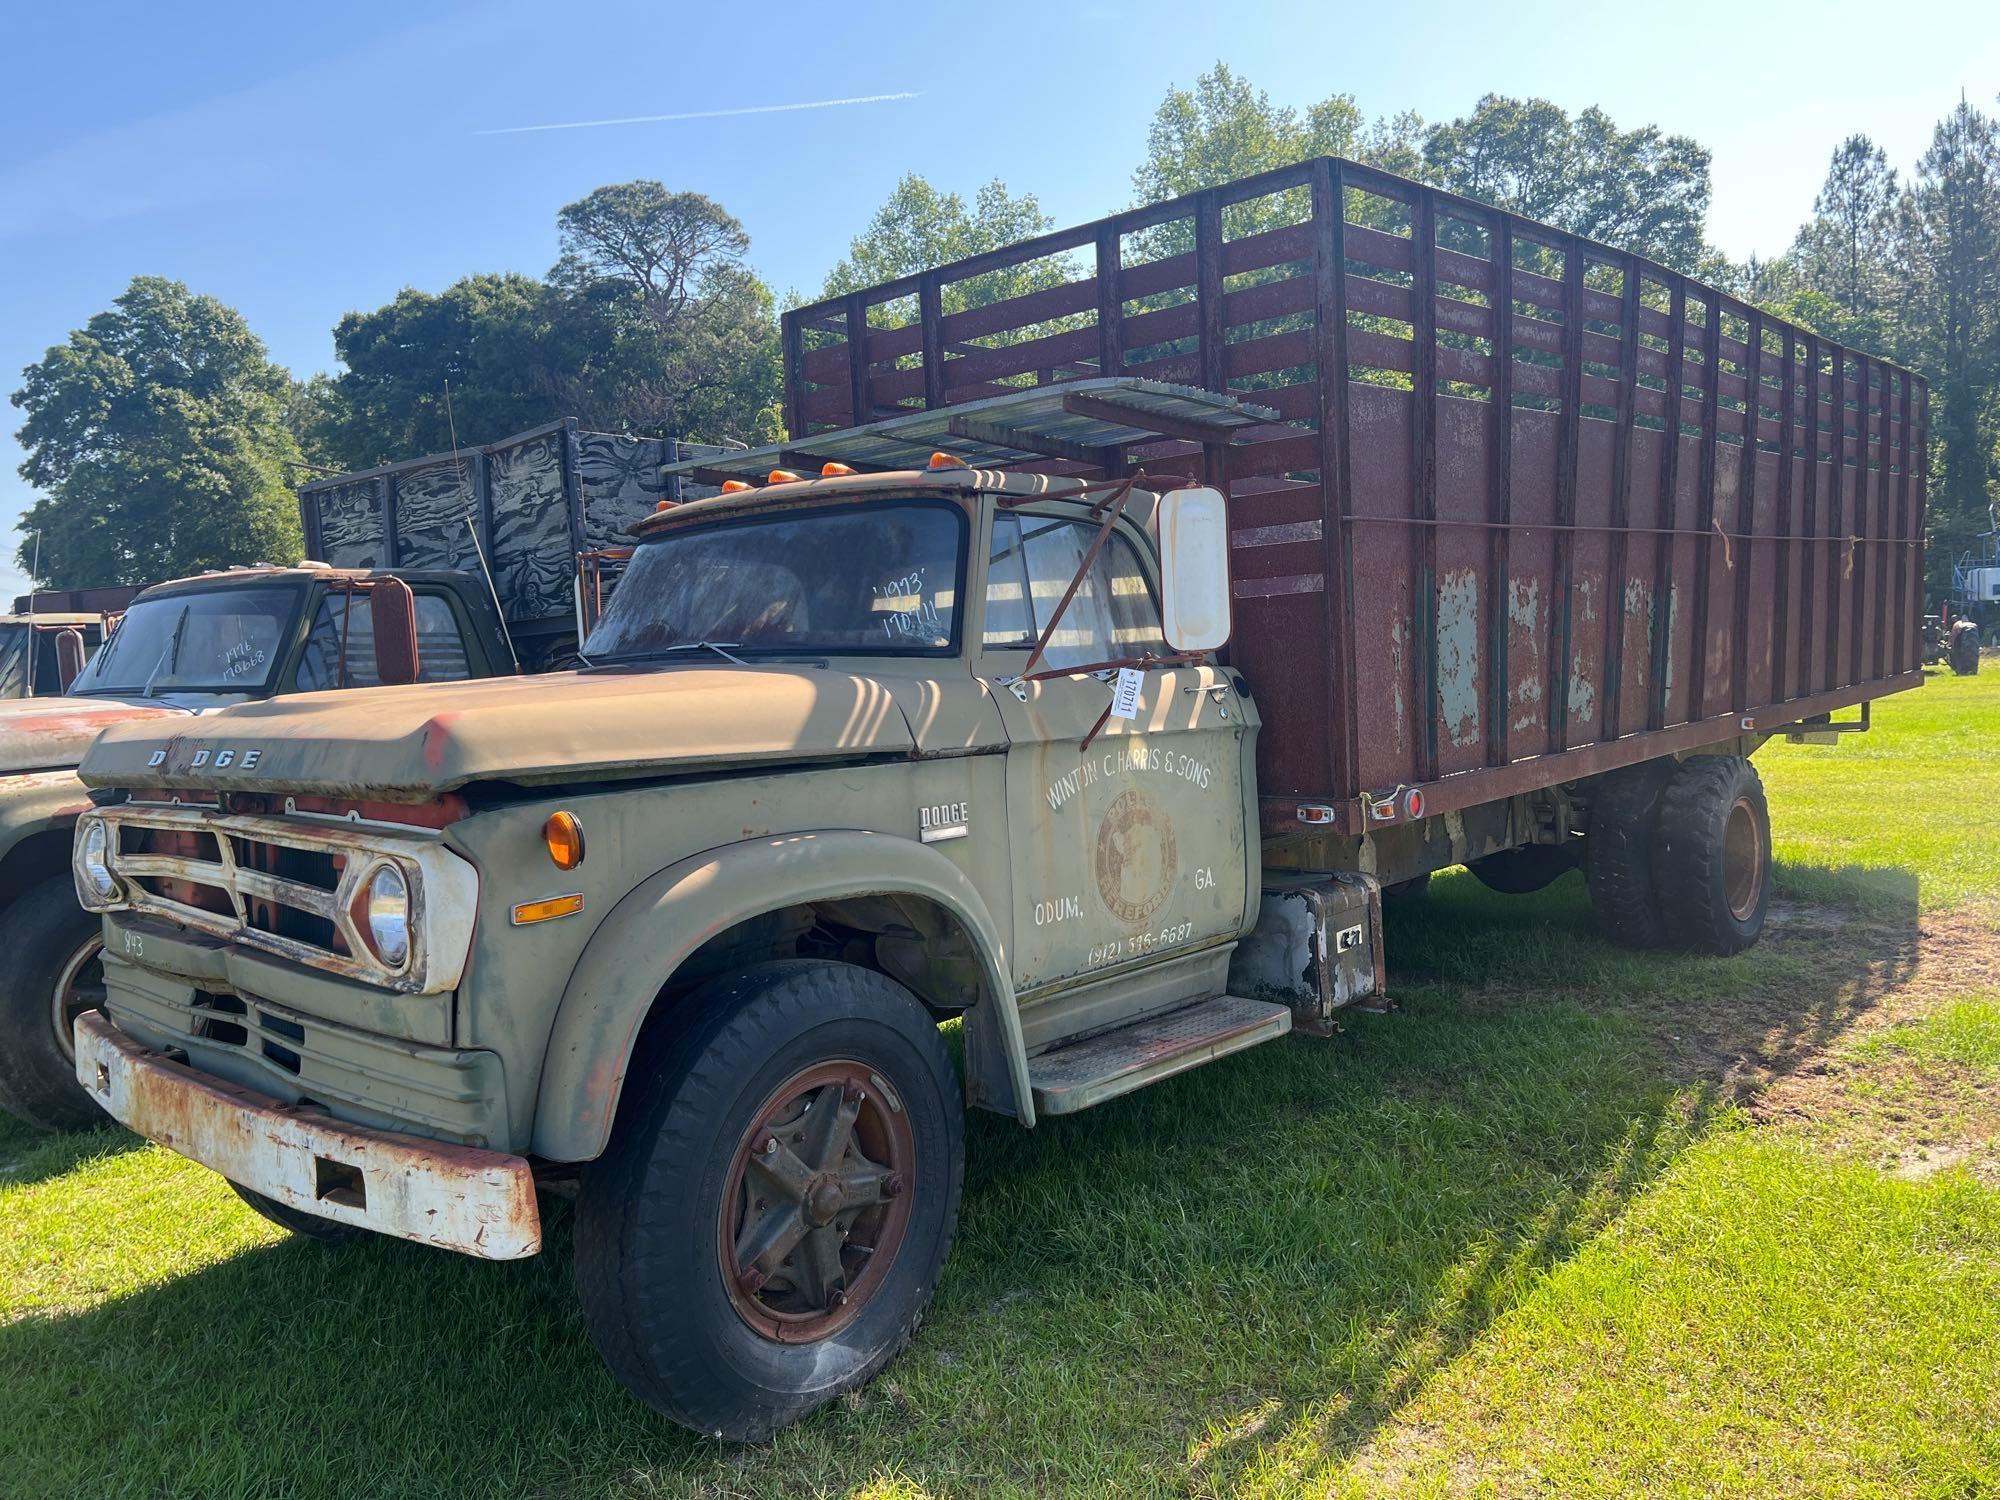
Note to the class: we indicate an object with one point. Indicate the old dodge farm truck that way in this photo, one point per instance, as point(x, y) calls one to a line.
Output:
point(1081, 670)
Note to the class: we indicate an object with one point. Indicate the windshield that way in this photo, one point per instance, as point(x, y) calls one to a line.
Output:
point(13, 661)
point(227, 641)
point(859, 580)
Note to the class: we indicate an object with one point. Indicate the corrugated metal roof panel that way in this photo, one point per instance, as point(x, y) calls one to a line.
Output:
point(1034, 424)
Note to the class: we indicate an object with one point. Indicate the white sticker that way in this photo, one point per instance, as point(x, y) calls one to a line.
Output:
point(1125, 696)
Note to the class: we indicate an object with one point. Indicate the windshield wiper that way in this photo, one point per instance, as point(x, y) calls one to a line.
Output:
point(171, 657)
point(718, 647)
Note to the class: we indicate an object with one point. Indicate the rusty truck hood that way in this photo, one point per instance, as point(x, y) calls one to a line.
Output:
point(402, 743)
point(44, 734)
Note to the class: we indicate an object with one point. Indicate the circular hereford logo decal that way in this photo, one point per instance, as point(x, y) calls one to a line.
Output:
point(1136, 857)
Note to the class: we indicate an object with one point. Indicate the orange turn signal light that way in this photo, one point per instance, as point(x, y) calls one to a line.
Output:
point(947, 461)
point(547, 909)
point(735, 486)
point(564, 836)
point(831, 469)
point(783, 476)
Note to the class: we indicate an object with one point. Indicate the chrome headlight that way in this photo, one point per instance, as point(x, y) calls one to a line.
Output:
point(92, 862)
point(388, 911)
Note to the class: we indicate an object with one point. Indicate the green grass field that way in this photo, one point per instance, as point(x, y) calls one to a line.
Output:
point(1568, 1221)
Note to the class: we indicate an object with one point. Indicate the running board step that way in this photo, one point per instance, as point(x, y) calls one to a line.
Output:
point(1067, 1079)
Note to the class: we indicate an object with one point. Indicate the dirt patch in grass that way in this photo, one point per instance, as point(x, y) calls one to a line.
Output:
point(1858, 1090)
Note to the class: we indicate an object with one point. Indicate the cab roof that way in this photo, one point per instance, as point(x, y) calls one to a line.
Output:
point(266, 573)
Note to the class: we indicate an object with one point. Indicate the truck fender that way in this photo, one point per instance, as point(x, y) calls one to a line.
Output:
point(41, 802)
point(665, 918)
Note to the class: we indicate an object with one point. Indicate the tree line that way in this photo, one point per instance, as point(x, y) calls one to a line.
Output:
point(162, 439)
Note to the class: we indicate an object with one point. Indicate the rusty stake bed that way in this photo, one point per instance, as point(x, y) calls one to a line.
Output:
point(1129, 612)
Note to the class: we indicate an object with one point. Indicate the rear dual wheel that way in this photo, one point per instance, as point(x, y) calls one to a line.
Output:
point(768, 1223)
point(1679, 855)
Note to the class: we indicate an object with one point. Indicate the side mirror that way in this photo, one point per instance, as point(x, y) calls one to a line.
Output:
point(69, 656)
point(1194, 569)
point(392, 609)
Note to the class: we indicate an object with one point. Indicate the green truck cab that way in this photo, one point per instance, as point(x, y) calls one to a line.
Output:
point(182, 650)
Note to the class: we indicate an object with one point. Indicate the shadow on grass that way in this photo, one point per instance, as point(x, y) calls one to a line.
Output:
point(30, 1156)
point(1236, 1276)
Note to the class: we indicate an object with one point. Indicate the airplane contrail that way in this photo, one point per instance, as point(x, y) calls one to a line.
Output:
point(706, 114)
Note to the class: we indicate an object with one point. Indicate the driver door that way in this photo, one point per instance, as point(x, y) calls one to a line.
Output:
point(1127, 835)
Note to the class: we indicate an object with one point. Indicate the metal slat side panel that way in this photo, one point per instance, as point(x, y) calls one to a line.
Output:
point(1426, 700)
point(1563, 666)
point(1784, 683)
point(1615, 575)
point(1813, 562)
point(1706, 518)
point(1744, 557)
point(1392, 541)
point(1662, 628)
point(1336, 550)
point(1500, 494)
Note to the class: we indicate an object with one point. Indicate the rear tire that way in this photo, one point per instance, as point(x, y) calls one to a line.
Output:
point(298, 1221)
point(1532, 867)
point(50, 972)
point(1405, 892)
point(1712, 855)
point(1964, 655)
point(733, 1281)
point(1618, 854)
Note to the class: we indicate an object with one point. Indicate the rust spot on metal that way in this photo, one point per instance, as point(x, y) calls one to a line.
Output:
point(463, 1198)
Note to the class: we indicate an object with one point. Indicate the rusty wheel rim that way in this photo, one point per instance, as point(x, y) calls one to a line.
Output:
point(817, 1202)
point(80, 987)
point(1742, 861)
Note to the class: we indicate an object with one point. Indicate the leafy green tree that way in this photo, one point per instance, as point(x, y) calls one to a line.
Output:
point(1949, 239)
point(1845, 250)
point(1638, 189)
point(502, 345)
point(649, 322)
point(919, 227)
point(1223, 129)
point(692, 332)
point(156, 434)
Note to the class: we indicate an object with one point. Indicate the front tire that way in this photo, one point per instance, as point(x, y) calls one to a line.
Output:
point(298, 1221)
point(1712, 855)
point(51, 959)
point(770, 1218)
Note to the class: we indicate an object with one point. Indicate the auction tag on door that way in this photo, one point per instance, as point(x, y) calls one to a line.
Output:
point(1125, 696)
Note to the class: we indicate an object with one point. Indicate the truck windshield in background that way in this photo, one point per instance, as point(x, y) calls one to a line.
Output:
point(858, 580)
point(14, 661)
point(227, 641)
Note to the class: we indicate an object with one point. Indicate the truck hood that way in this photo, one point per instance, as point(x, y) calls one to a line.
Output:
point(46, 734)
point(411, 743)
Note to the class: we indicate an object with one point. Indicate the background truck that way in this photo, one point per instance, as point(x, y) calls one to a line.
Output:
point(548, 508)
point(181, 650)
point(1460, 540)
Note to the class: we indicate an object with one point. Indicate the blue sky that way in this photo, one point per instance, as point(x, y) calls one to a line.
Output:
point(302, 161)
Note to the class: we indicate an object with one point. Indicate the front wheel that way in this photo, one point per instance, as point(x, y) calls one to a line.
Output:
point(297, 1220)
point(51, 972)
point(769, 1221)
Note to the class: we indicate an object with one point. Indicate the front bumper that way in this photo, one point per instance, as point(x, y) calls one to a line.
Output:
point(481, 1203)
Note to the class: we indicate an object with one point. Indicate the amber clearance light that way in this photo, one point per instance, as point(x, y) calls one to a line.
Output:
point(547, 909)
point(564, 836)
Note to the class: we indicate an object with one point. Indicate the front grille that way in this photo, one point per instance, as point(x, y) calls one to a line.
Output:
point(287, 886)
